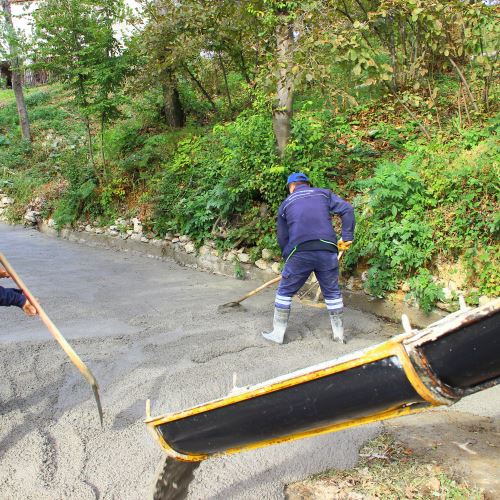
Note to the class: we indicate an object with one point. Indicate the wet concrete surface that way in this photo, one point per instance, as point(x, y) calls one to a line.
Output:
point(147, 329)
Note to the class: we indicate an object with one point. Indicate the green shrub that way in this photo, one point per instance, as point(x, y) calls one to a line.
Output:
point(382, 280)
point(425, 290)
point(216, 179)
point(13, 153)
point(393, 232)
point(72, 205)
point(483, 266)
point(123, 139)
point(52, 114)
point(80, 198)
point(111, 196)
point(423, 201)
point(442, 197)
point(9, 118)
point(37, 98)
point(239, 271)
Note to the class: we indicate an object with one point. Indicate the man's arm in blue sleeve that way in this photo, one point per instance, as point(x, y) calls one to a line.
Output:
point(345, 210)
point(282, 230)
point(11, 297)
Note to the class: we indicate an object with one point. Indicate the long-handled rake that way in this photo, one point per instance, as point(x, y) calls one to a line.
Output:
point(301, 296)
point(236, 303)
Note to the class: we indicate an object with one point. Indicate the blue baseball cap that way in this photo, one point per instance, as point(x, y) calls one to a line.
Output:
point(297, 177)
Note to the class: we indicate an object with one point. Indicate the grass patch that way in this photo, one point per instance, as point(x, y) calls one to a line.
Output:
point(387, 469)
point(6, 96)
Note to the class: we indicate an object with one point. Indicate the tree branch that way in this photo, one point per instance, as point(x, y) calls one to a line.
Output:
point(201, 87)
point(465, 83)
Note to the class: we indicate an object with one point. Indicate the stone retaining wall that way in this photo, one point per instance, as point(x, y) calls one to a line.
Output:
point(159, 249)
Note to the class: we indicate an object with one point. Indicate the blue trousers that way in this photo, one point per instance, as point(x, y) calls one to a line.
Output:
point(297, 269)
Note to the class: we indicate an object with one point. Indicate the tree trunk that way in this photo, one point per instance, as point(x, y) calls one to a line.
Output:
point(21, 105)
point(89, 141)
point(16, 74)
point(465, 84)
point(84, 106)
point(226, 85)
point(243, 66)
point(172, 106)
point(282, 109)
point(103, 155)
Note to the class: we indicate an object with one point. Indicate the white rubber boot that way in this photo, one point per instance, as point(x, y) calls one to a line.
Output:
point(280, 323)
point(336, 320)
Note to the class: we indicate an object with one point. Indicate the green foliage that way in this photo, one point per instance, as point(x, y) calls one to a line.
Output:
point(214, 180)
point(425, 290)
point(381, 280)
point(313, 149)
point(469, 189)
point(112, 194)
point(76, 43)
point(367, 79)
point(429, 203)
point(54, 166)
point(21, 184)
point(13, 152)
point(80, 196)
point(392, 233)
point(483, 265)
point(37, 98)
point(239, 272)
point(52, 116)
point(8, 116)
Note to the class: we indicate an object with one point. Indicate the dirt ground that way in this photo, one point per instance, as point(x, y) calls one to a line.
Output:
point(389, 469)
point(468, 445)
point(462, 441)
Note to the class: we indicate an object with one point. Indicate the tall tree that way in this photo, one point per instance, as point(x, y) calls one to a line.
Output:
point(15, 63)
point(199, 43)
point(76, 41)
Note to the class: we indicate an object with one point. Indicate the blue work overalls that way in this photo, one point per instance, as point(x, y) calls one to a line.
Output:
point(308, 242)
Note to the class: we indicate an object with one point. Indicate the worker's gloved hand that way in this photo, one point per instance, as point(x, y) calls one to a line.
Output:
point(4, 273)
point(343, 245)
point(29, 309)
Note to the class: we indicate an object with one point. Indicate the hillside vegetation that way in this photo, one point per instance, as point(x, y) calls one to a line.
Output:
point(410, 139)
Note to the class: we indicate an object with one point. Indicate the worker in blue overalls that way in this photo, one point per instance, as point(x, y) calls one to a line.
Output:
point(309, 243)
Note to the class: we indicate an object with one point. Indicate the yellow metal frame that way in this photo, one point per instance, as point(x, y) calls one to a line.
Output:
point(388, 349)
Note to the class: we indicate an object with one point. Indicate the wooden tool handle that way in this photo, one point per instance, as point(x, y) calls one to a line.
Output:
point(269, 283)
point(261, 287)
point(54, 331)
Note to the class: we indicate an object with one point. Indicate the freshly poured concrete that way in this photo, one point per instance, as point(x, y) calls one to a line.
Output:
point(147, 329)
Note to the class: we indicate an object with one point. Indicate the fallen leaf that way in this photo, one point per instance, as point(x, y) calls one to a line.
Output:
point(433, 484)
